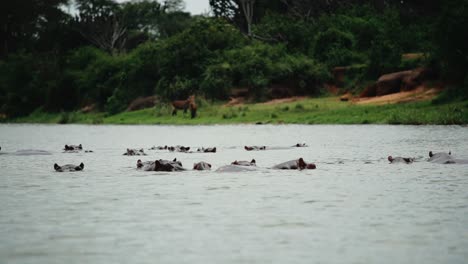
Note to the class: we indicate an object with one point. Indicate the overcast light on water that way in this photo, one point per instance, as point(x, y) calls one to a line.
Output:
point(354, 208)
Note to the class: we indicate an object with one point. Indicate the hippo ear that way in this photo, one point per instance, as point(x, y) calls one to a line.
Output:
point(57, 167)
point(209, 165)
point(174, 160)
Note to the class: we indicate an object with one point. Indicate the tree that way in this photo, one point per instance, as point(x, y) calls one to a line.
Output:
point(101, 22)
point(21, 22)
point(247, 8)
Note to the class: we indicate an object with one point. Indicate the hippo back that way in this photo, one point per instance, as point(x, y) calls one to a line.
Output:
point(288, 165)
point(441, 158)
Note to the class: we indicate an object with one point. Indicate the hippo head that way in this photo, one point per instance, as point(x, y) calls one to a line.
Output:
point(248, 148)
point(177, 162)
point(390, 158)
point(80, 147)
point(202, 166)
point(301, 164)
point(253, 161)
point(139, 164)
point(80, 167)
point(431, 154)
point(57, 167)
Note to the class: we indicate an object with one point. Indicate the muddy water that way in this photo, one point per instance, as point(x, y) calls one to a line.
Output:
point(354, 208)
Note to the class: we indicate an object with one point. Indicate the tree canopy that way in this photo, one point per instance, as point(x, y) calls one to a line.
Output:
point(109, 53)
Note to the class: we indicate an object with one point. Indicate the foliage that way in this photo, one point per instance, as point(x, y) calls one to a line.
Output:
point(112, 53)
point(451, 41)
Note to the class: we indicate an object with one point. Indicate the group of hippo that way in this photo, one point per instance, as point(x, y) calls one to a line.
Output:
point(235, 166)
point(175, 165)
point(440, 157)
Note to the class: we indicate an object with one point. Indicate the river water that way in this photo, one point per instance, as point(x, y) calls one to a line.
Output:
point(354, 208)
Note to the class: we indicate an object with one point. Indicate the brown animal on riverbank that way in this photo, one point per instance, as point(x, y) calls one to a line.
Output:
point(184, 105)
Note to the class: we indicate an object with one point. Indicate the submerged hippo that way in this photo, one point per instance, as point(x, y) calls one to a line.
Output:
point(300, 145)
point(295, 165)
point(395, 160)
point(135, 152)
point(30, 152)
point(158, 148)
point(73, 147)
point(178, 148)
point(250, 148)
point(244, 163)
point(238, 166)
point(445, 158)
point(202, 166)
point(207, 150)
point(160, 165)
point(69, 167)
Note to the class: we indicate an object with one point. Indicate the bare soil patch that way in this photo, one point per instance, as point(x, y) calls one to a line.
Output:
point(421, 93)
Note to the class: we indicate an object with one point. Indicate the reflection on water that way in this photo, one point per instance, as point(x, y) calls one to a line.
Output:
point(354, 208)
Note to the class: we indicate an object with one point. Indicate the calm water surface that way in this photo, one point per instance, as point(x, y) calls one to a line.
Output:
point(355, 208)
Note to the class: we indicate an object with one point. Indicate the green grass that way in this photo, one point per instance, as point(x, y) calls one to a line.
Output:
point(310, 111)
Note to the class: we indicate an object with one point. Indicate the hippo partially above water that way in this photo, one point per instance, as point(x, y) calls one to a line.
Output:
point(28, 152)
point(295, 165)
point(158, 148)
point(250, 148)
point(160, 165)
point(244, 163)
point(238, 166)
point(445, 158)
point(135, 152)
point(207, 150)
point(300, 145)
point(178, 148)
point(395, 160)
point(69, 167)
point(73, 147)
point(202, 166)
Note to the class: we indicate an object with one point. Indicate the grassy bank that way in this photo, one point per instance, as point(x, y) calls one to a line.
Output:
point(309, 111)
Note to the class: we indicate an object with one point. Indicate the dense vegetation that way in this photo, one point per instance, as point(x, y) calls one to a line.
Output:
point(108, 54)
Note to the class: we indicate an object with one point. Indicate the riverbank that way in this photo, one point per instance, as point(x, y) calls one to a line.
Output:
point(329, 110)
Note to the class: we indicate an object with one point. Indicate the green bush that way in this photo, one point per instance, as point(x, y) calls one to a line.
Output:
point(384, 57)
point(217, 81)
